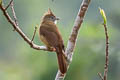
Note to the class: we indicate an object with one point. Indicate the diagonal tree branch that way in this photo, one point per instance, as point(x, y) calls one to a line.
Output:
point(73, 37)
point(100, 75)
point(17, 28)
point(13, 12)
point(8, 4)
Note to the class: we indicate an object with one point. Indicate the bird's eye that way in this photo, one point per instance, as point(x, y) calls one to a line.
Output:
point(52, 17)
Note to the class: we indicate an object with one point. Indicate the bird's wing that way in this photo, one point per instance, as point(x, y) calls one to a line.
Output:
point(50, 36)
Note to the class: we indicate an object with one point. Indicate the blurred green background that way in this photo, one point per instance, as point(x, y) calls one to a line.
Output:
point(20, 62)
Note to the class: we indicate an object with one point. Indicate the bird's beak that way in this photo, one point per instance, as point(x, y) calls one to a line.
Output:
point(57, 18)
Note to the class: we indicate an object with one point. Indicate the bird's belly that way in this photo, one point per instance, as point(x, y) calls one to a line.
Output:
point(43, 39)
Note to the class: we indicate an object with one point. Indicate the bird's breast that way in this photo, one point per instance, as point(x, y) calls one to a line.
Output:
point(43, 39)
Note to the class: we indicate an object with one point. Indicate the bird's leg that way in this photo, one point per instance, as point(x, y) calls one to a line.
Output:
point(52, 49)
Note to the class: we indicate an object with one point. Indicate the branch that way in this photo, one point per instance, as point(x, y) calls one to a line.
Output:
point(100, 75)
point(106, 56)
point(34, 33)
point(107, 44)
point(73, 37)
point(14, 15)
point(18, 30)
point(8, 4)
point(107, 53)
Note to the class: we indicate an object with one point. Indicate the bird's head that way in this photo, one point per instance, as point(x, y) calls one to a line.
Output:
point(49, 16)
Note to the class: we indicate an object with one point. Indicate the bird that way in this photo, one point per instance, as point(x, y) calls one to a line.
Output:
point(50, 35)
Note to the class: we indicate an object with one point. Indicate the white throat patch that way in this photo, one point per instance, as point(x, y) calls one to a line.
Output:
point(55, 21)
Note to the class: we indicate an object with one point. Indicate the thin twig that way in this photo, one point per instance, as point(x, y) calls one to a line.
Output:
point(73, 37)
point(100, 75)
point(34, 34)
point(8, 4)
point(107, 53)
point(107, 44)
point(14, 15)
point(9, 19)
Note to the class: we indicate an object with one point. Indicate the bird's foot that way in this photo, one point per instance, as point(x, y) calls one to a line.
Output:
point(52, 49)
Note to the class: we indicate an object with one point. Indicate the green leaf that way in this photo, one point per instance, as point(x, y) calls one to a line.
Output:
point(103, 15)
point(0, 2)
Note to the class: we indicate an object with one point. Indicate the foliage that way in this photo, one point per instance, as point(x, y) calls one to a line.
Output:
point(103, 15)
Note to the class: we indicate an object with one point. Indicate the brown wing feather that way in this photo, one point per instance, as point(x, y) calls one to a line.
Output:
point(51, 37)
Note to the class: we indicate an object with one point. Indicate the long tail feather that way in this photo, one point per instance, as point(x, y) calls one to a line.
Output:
point(61, 61)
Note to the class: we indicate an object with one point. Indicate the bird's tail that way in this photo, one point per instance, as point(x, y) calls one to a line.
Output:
point(61, 60)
